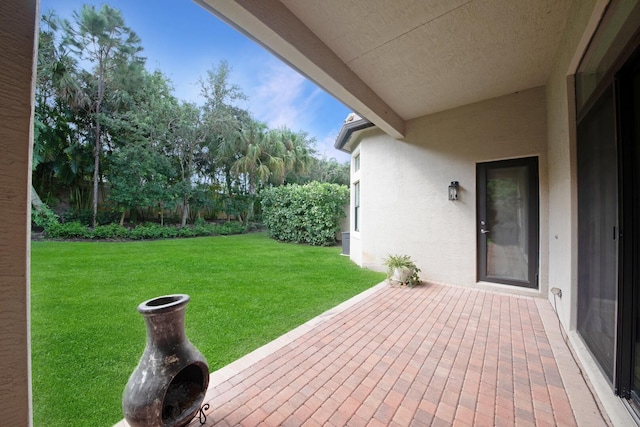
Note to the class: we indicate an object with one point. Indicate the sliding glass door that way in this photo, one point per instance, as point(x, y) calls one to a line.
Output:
point(597, 230)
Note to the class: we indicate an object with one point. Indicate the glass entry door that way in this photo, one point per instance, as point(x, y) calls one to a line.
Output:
point(507, 229)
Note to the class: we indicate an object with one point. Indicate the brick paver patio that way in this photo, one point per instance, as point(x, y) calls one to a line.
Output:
point(430, 355)
point(433, 355)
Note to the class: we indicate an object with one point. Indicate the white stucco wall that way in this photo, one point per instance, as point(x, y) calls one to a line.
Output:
point(404, 184)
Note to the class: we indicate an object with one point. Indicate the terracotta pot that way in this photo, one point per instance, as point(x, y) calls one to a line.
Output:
point(169, 384)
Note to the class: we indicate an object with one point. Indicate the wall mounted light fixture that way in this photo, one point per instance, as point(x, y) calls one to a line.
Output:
point(453, 190)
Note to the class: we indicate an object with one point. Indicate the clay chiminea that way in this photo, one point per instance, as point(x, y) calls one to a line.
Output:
point(169, 384)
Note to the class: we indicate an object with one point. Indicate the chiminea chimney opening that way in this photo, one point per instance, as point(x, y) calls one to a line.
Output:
point(162, 301)
point(184, 393)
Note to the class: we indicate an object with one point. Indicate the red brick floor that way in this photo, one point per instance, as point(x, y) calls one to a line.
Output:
point(433, 355)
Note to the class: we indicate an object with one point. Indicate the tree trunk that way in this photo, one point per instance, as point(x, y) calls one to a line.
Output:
point(122, 218)
point(252, 197)
point(227, 173)
point(250, 209)
point(96, 172)
point(98, 145)
point(185, 211)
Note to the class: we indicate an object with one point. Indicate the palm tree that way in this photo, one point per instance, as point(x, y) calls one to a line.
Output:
point(298, 152)
point(58, 158)
point(250, 149)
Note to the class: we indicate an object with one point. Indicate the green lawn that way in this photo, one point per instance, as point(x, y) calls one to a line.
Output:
point(245, 291)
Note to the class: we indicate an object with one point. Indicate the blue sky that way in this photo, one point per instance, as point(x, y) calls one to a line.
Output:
point(183, 40)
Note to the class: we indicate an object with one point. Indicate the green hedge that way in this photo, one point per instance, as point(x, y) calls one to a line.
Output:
point(307, 213)
point(76, 230)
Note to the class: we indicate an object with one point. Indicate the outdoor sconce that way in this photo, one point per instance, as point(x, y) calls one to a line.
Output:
point(453, 190)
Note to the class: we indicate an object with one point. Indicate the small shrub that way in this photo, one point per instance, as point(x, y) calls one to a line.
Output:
point(111, 231)
point(85, 216)
point(229, 228)
point(152, 231)
point(255, 226)
point(200, 222)
point(187, 232)
point(44, 217)
point(307, 213)
point(69, 230)
point(204, 230)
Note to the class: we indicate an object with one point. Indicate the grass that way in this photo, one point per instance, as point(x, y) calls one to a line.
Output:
point(245, 291)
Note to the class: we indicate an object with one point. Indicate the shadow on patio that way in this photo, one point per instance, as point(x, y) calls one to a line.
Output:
point(430, 355)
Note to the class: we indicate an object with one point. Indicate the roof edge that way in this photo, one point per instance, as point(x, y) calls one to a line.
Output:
point(347, 131)
point(276, 28)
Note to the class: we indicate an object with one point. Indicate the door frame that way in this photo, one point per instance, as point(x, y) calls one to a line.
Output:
point(533, 233)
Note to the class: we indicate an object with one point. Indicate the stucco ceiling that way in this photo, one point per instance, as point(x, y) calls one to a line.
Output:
point(393, 61)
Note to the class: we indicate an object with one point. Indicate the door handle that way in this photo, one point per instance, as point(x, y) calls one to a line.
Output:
point(485, 231)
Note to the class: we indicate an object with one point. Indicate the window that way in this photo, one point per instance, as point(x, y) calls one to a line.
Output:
point(356, 163)
point(356, 206)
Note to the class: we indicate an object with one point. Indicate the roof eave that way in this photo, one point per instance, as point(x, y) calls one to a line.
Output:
point(347, 132)
point(276, 28)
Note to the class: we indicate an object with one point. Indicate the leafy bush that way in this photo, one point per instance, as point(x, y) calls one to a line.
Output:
point(111, 231)
point(85, 216)
point(68, 230)
point(44, 217)
point(152, 231)
point(229, 228)
point(187, 232)
point(199, 222)
point(307, 213)
point(255, 226)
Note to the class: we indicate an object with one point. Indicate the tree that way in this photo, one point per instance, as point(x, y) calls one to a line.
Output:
point(297, 151)
point(139, 173)
point(250, 152)
point(323, 170)
point(118, 126)
point(225, 120)
point(185, 141)
point(140, 177)
point(101, 37)
point(58, 158)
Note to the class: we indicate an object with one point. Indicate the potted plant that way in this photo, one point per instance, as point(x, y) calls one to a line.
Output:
point(402, 269)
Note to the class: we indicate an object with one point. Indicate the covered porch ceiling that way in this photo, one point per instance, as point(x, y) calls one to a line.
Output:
point(395, 61)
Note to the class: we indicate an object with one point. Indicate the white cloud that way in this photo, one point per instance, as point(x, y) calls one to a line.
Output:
point(282, 97)
point(277, 95)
